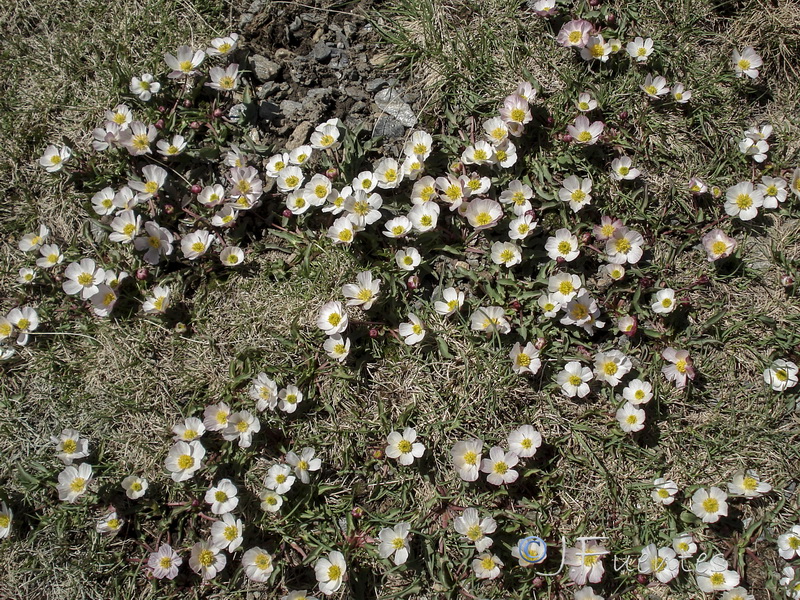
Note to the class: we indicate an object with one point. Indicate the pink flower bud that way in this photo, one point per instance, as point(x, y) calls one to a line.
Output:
point(159, 124)
point(162, 109)
point(196, 189)
point(332, 173)
point(357, 512)
point(413, 282)
point(787, 280)
point(194, 125)
point(217, 113)
point(169, 209)
point(287, 213)
point(566, 137)
point(187, 104)
point(142, 273)
point(540, 343)
point(373, 333)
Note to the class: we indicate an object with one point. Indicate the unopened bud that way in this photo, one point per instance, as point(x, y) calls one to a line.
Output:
point(413, 282)
point(703, 280)
point(196, 189)
point(566, 137)
point(373, 332)
point(217, 113)
point(586, 237)
point(642, 578)
point(550, 121)
point(187, 104)
point(287, 213)
point(194, 125)
point(611, 18)
point(538, 583)
point(332, 173)
point(623, 116)
point(169, 209)
point(540, 343)
point(787, 280)
point(162, 109)
point(142, 273)
point(357, 512)
point(515, 305)
point(646, 282)
point(180, 327)
point(530, 213)
point(159, 124)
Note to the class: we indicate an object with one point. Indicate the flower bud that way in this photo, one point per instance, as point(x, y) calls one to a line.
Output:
point(538, 583)
point(196, 189)
point(357, 512)
point(566, 138)
point(540, 343)
point(162, 109)
point(611, 18)
point(703, 280)
point(180, 327)
point(413, 282)
point(159, 124)
point(457, 168)
point(332, 173)
point(530, 213)
point(515, 305)
point(642, 578)
point(169, 209)
point(377, 454)
point(142, 273)
point(287, 213)
point(586, 237)
point(787, 280)
point(194, 125)
point(217, 113)
point(373, 332)
point(623, 116)
point(716, 191)
point(550, 121)
point(187, 104)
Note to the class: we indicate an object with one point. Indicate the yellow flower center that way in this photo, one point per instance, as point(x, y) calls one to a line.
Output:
point(564, 247)
point(750, 484)
point(717, 578)
point(159, 303)
point(719, 247)
point(523, 360)
point(583, 105)
point(172, 149)
point(151, 187)
point(345, 235)
point(390, 175)
point(416, 328)
point(517, 115)
point(610, 368)
point(678, 96)
point(292, 181)
point(397, 230)
point(794, 542)
point(404, 446)
point(280, 478)
point(474, 533)
point(77, 484)
point(480, 154)
point(136, 486)
point(663, 492)
point(483, 218)
point(185, 462)
point(231, 532)
point(579, 312)
point(507, 255)
point(744, 201)
point(574, 37)
point(666, 303)
point(326, 140)
point(641, 51)
point(185, 66)
point(710, 505)
point(334, 319)
point(334, 572)
point(500, 468)
point(566, 287)
point(589, 561)
point(623, 246)
point(487, 563)
point(224, 48)
point(631, 420)
point(140, 142)
point(129, 229)
point(291, 398)
point(470, 457)
point(578, 196)
point(339, 348)
point(658, 564)
point(361, 208)
point(302, 465)
point(623, 170)
point(107, 299)
point(165, 562)
point(584, 136)
point(70, 446)
point(113, 523)
point(198, 247)
point(772, 190)
point(86, 279)
point(5, 521)
point(220, 496)
point(262, 561)
point(681, 366)
point(781, 374)
point(744, 64)
point(639, 394)
point(226, 82)
point(651, 89)
point(154, 242)
point(398, 543)
point(206, 558)
point(575, 380)
point(527, 443)
point(119, 118)
point(597, 50)
point(242, 426)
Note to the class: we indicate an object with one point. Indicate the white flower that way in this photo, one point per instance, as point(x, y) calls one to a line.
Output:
point(681, 367)
point(362, 209)
point(241, 426)
point(158, 303)
point(332, 318)
point(789, 543)
point(714, 576)
point(596, 49)
point(403, 446)
point(304, 463)
point(790, 583)
point(622, 168)
point(407, 259)
point(227, 533)
point(258, 564)
point(184, 459)
point(549, 304)
point(516, 113)
point(524, 441)
point(231, 256)
point(663, 301)
point(562, 245)
point(337, 347)
point(164, 562)
point(26, 275)
point(54, 158)
point(452, 300)
point(82, 278)
point(507, 254)
point(153, 178)
point(185, 63)
point(223, 45)
point(630, 418)
point(135, 487)
point(585, 562)
point(586, 103)
point(70, 446)
point(25, 319)
point(51, 256)
point(329, 572)
point(640, 49)
point(110, 523)
point(737, 593)
point(483, 213)
point(172, 148)
point(388, 174)
point(33, 241)
point(576, 191)
point(660, 562)
point(743, 201)
point(574, 379)
point(664, 491)
point(489, 319)
point(585, 132)
point(394, 540)
point(655, 87)
point(144, 87)
point(746, 62)
point(195, 244)
point(499, 466)
point(280, 478)
point(157, 242)
point(364, 292)
point(224, 80)
point(207, 560)
point(487, 566)
point(684, 545)
point(521, 227)
point(222, 497)
point(518, 195)
point(138, 138)
point(481, 153)
point(73, 481)
point(747, 484)
point(414, 331)
point(525, 360)
point(397, 227)
point(342, 231)
point(424, 217)
point(611, 366)
point(718, 245)
point(638, 392)
point(191, 429)
point(271, 501)
point(624, 246)
point(774, 190)
point(467, 458)
point(289, 398)
point(215, 417)
point(756, 148)
point(709, 505)
point(325, 136)
point(475, 529)
point(587, 593)
point(574, 33)
point(126, 226)
point(680, 94)
point(781, 375)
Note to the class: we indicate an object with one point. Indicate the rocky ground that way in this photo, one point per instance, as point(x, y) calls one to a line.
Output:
point(311, 63)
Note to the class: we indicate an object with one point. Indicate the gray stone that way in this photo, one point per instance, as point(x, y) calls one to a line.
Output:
point(268, 89)
point(388, 127)
point(295, 25)
point(355, 92)
point(299, 135)
point(236, 111)
point(321, 52)
point(268, 111)
point(373, 85)
point(290, 108)
point(263, 68)
point(389, 101)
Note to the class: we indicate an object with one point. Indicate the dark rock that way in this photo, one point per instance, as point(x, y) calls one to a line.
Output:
point(355, 92)
point(373, 85)
point(388, 127)
point(263, 68)
point(268, 111)
point(268, 89)
point(321, 52)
